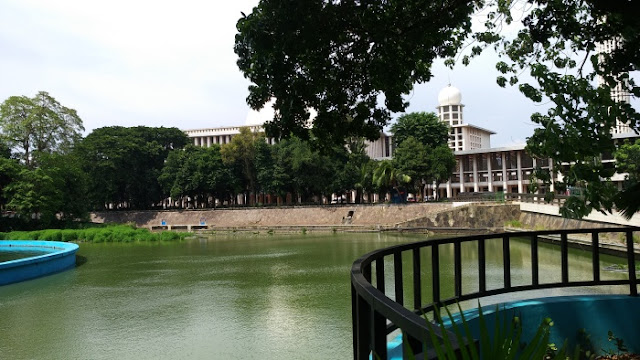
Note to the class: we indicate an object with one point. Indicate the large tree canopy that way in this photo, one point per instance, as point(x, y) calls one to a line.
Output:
point(38, 125)
point(342, 57)
point(423, 126)
point(339, 57)
point(123, 164)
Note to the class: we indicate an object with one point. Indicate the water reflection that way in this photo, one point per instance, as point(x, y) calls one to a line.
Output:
point(228, 297)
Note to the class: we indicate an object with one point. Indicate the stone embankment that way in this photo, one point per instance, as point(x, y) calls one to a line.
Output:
point(344, 217)
point(404, 217)
point(480, 216)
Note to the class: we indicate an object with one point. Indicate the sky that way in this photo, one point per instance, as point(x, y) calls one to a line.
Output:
point(169, 63)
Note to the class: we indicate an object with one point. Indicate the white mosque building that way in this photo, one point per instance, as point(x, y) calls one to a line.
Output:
point(479, 167)
point(379, 149)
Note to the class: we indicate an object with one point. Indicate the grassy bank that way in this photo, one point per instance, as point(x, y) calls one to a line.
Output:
point(114, 233)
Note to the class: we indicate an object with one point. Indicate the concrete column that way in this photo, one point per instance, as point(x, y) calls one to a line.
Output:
point(553, 177)
point(208, 141)
point(519, 169)
point(504, 172)
point(448, 189)
point(476, 180)
point(490, 171)
point(195, 141)
point(461, 175)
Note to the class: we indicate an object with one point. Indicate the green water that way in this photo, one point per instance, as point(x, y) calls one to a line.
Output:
point(15, 255)
point(236, 297)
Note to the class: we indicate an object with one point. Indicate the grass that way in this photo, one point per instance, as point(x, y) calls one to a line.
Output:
point(513, 223)
point(112, 233)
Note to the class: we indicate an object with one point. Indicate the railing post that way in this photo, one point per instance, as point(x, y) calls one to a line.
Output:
point(631, 262)
point(482, 266)
point(457, 269)
point(397, 276)
point(354, 320)
point(380, 274)
point(409, 341)
point(506, 256)
point(379, 335)
point(595, 256)
point(435, 271)
point(417, 286)
point(535, 280)
point(363, 329)
point(564, 255)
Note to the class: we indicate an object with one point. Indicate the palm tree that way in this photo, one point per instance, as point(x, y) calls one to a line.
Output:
point(387, 177)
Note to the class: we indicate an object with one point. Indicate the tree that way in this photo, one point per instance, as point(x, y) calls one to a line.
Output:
point(556, 40)
point(412, 159)
point(386, 177)
point(442, 162)
point(197, 173)
point(123, 164)
point(241, 152)
point(32, 126)
point(628, 160)
point(339, 57)
point(34, 196)
point(425, 127)
point(273, 165)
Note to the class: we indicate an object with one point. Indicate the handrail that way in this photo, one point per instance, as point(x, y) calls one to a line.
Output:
point(375, 315)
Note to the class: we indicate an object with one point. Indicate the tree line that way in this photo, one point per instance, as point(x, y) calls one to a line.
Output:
point(50, 174)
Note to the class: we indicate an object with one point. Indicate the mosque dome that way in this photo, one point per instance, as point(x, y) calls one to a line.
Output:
point(450, 96)
point(259, 117)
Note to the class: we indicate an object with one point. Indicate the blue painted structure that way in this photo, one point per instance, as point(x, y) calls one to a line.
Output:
point(596, 314)
point(60, 256)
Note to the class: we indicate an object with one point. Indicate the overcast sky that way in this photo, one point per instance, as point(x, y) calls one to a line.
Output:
point(170, 63)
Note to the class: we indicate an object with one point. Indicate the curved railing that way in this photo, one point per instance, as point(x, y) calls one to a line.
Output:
point(375, 315)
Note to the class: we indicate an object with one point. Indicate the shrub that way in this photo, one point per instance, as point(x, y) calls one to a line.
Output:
point(70, 235)
point(112, 233)
point(51, 235)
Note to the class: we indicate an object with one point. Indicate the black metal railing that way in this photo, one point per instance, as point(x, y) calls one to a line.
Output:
point(376, 315)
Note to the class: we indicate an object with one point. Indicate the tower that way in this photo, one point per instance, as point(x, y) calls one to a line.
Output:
point(450, 112)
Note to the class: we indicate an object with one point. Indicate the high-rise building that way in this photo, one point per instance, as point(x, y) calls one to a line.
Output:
point(462, 136)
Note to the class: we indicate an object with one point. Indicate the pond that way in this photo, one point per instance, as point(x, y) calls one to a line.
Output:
point(224, 297)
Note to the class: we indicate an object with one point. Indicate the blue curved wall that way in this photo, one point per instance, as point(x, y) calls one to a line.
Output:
point(60, 256)
point(595, 314)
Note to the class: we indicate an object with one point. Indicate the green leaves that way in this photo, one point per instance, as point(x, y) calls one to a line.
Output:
point(340, 57)
point(123, 164)
point(32, 126)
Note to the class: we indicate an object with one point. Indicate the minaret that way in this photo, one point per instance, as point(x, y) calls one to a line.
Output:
point(450, 112)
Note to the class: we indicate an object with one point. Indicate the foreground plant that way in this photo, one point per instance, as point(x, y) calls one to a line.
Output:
point(505, 343)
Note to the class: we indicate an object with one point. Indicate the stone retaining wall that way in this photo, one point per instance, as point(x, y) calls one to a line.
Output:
point(363, 215)
point(476, 216)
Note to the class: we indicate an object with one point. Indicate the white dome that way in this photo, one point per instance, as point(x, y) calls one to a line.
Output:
point(450, 96)
point(263, 115)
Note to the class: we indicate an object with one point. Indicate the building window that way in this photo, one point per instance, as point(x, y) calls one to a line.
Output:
point(455, 115)
point(527, 161)
point(496, 161)
point(454, 107)
point(445, 116)
point(386, 146)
